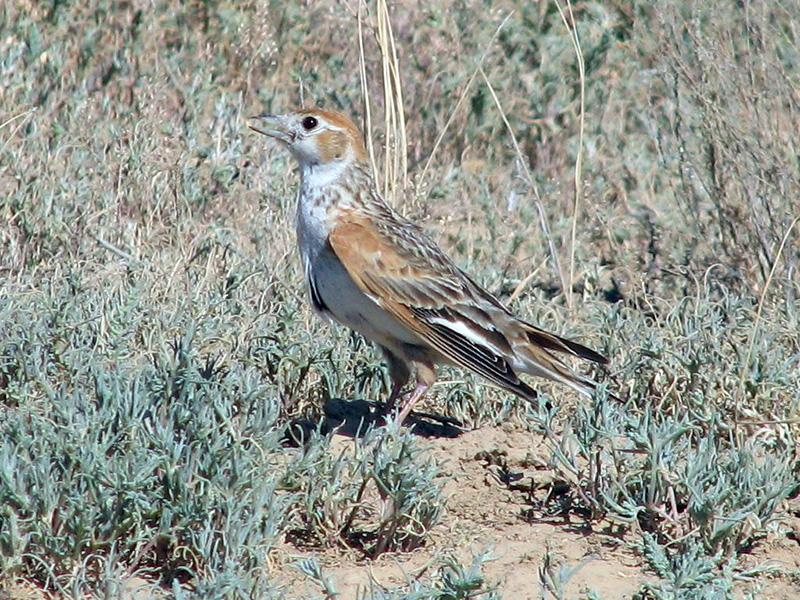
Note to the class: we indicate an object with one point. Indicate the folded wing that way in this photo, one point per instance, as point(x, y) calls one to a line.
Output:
point(419, 285)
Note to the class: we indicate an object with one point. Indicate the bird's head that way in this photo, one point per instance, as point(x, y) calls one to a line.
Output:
point(316, 138)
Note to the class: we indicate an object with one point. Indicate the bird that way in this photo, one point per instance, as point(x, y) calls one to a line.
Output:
point(378, 273)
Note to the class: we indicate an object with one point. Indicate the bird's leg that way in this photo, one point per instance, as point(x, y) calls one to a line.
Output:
point(397, 387)
point(426, 376)
point(399, 373)
point(415, 396)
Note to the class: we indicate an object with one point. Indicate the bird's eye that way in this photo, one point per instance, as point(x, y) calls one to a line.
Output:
point(309, 123)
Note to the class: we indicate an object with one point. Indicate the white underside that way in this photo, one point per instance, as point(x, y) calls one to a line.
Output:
point(349, 306)
point(345, 302)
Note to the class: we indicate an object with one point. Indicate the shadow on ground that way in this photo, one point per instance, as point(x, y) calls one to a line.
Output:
point(353, 418)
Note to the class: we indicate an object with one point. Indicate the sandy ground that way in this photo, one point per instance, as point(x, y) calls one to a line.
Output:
point(485, 513)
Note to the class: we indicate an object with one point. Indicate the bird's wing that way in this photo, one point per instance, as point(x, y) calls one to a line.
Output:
point(411, 279)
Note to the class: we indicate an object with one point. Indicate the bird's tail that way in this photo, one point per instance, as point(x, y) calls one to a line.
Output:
point(540, 358)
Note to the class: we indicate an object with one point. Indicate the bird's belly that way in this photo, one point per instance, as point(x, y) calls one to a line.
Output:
point(351, 307)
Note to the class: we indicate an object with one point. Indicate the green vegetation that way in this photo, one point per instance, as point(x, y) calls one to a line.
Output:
point(155, 341)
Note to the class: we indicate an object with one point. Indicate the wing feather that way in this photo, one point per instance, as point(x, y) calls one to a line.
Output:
point(542, 338)
point(417, 298)
point(413, 280)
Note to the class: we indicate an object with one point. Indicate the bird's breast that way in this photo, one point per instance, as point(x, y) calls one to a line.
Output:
point(331, 289)
point(334, 293)
point(314, 221)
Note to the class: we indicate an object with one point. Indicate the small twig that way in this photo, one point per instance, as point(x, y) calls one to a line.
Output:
point(522, 285)
point(775, 422)
point(19, 116)
point(395, 159)
point(751, 344)
point(24, 116)
point(343, 531)
point(394, 117)
point(365, 91)
point(524, 165)
point(576, 44)
point(682, 538)
point(112, 248)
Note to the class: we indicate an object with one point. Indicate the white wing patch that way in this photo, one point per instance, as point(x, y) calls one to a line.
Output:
point(467, 332)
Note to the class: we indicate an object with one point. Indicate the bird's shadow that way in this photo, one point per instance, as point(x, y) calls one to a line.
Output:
point(353, 418)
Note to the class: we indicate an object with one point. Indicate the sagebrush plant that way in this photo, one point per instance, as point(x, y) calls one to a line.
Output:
point(163, 465)
point(554, 577)
point(452, 579)
point(679, 458)
point(378, 495)
point(154, 337)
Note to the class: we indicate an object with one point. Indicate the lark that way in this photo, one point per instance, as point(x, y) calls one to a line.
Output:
point(376, 272)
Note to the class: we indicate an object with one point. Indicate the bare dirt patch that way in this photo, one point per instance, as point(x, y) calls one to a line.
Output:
point(483, 512)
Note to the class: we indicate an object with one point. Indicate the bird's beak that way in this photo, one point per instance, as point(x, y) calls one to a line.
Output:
point(273, 126)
